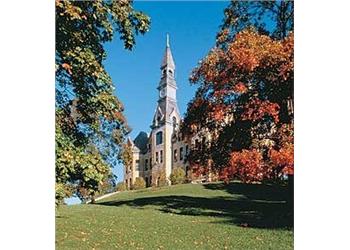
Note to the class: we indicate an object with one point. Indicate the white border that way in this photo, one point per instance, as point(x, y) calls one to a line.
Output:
point(321, 124)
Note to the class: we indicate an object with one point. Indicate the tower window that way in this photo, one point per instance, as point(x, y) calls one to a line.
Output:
point(157, 157)
point(175, 155)
point(161, 156)
point(181, 153)
point(159, 138)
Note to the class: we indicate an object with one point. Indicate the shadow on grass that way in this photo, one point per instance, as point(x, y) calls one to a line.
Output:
point(251, 205)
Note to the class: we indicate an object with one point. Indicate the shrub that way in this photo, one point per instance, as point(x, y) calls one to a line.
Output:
point(121, 186)
point(159, 179)
point(162, 180)
point(177, 176)
point(139, 183)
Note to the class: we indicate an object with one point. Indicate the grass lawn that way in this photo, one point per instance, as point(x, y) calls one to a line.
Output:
point(188, 216)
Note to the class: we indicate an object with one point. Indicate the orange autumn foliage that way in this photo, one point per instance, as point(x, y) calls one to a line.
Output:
point(244, 87)
point(257, 109)
point(218, 112)
point(284, 158)
point(248, 52)
point(240, 88)
point(247, 165)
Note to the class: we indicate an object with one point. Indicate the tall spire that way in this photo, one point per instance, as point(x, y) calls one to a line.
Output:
point(167, 40)
point(167, 58)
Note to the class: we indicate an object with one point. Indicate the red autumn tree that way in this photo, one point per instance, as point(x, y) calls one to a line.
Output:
point(244, 99)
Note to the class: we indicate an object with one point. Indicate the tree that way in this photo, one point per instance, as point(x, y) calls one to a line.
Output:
point(245, 97)
point(90, 125)
point(177, 176)
point(273, 18)
point(126, 155)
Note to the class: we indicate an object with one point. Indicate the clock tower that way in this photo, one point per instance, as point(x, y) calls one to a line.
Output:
point(167, 106)
point(167, 116)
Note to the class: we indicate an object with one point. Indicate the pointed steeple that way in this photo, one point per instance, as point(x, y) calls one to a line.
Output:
point(168, 57)
point(167, 40)
point(167, 105)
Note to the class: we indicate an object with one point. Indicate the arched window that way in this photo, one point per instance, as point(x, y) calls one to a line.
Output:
point(159, 138)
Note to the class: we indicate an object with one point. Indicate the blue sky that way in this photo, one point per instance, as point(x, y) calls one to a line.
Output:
point(192, 27)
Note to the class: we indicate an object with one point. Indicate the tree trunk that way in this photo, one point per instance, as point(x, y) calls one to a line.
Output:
point(93, 201)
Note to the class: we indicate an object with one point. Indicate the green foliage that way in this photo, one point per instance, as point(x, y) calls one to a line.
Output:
point(242, 14)
point(177, 176)
point(61, 191)
point(121, 186)
point(85, 99)
point(139, 183)
point(108, 185)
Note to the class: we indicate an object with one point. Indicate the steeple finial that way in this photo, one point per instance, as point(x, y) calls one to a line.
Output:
point(167, 40)
point(167, 58)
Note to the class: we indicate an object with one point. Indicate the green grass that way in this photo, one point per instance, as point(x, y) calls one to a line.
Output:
point(189, 216)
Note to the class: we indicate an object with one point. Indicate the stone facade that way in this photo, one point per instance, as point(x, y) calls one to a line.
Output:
point(163, 149)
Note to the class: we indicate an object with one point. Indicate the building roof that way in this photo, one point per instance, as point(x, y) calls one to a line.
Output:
point(141, 141)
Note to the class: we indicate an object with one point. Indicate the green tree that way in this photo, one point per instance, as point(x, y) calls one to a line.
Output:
point(273, 18)
point(87, 111)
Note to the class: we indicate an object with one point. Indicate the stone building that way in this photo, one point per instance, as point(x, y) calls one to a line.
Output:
point(163, 149)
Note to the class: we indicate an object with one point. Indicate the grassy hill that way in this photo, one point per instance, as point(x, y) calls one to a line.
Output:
point(188, 216)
